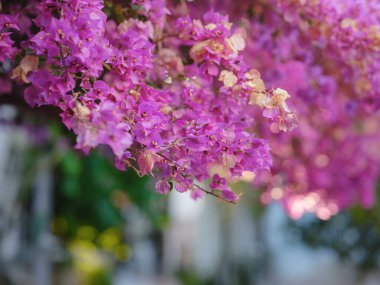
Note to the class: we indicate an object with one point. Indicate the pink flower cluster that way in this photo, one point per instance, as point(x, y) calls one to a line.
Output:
point(331, 161)
point(175, 96)
point(348, 31)
point(168, 93)
point(7, 24)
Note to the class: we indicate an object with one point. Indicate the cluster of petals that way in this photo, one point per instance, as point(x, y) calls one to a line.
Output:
point(7, 25)
point(348, 31)
point(324, 53)
point(175, 96)
point(170, 94)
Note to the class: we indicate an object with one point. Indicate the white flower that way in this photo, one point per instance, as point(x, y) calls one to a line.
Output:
point(229, 79)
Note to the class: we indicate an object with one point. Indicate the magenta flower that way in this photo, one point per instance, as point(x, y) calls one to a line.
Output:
point(7, 25)
point(176, 96)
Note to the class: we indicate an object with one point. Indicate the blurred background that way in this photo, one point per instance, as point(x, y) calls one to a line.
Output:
point(70, 219)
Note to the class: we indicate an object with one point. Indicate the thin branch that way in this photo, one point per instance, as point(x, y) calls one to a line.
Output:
point(133, 167)
point(107, 66)
point(213, 194)
point(196, 185)
point(164, 38)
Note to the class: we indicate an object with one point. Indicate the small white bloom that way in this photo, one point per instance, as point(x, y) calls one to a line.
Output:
point(229, 78)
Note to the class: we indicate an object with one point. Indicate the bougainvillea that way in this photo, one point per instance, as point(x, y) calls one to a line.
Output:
point(168, 93)
point(326, 54)
point(176, 95)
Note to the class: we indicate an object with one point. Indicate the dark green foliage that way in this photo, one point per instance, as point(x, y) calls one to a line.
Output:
point(86, 187)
